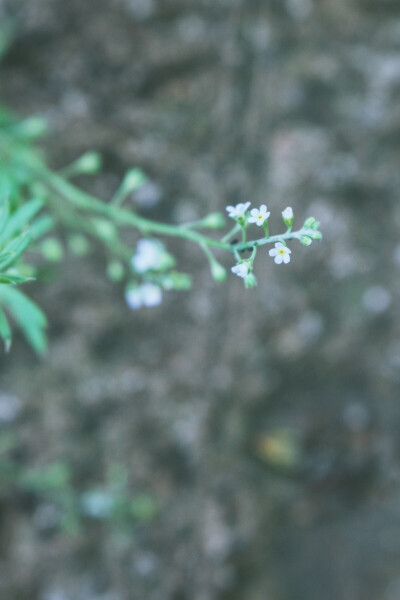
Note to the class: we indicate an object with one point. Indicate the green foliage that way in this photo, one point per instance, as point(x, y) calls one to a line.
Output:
point(113, 502)
point(15, 239)
point(37, 205)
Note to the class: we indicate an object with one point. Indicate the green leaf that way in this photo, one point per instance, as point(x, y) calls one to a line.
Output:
point(14, 250)
point(5, 331)
point(27, 314)
point(6, 36)
point(40, 227)
point(20, 218)
point(14, 278)
point(4, 215)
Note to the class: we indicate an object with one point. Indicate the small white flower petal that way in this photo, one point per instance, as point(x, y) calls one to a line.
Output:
point(148, 255)
point(133, 298)
point(241, 270)
point(151, 294)
point(238, 211)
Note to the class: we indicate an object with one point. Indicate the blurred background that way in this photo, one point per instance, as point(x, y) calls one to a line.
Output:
point(229, 444)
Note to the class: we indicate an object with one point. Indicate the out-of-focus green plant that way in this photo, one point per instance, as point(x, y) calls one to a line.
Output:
point(112, 502)
point(36, 202)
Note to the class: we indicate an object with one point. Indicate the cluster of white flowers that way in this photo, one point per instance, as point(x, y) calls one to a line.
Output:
point(259, 216)
point(148, 255)
point(148, 294)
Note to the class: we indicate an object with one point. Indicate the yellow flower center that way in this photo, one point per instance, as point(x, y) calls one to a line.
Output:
point(282, 251)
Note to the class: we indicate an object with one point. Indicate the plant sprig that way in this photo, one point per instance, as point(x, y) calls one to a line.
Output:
point(35, 200)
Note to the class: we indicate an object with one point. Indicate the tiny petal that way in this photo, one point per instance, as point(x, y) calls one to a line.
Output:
point(151, 294)
point(238, 211)
point(241, 270)
point(133, 298)
point(148, 255)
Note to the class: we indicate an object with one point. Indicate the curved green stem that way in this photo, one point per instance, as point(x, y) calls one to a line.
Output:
point(66, 191)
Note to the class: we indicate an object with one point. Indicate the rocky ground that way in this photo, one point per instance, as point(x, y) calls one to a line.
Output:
point(262, 424)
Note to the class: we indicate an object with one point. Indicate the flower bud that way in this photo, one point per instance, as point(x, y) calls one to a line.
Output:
point(88, 164)
point(217, 271)
point(115, 270)
point(250, 281)
point(105, 229)
point(78, 244)
point(315, 235)
point(52, 250)
point(305, 240)
point(33, 127)
point(132, 180)
point(213, 221)
point(287, 216)
point(176, 281)
point(311, 222)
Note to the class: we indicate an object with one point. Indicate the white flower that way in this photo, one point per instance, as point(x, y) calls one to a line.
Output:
point(133, 298)
point(260, 215)
point(241, 270)
point(147, 294)
point(151, 294)
point(238, 211)
point(148, 255)
point(287, 214)
point(281, 253)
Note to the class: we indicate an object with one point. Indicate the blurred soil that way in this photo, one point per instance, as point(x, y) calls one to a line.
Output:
point(264, 424)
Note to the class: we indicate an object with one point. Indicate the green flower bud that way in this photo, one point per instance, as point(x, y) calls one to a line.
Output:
point(52, 250)
point(166, 261)
point(78, 244)
point(176, 281)
point(250, 281)
point(310, 222)
point(105, 229)
point(115, 270)
point(132, 180)
point(217, 271)
point(316, 235)
point(305, 240)
point(213, 221)
point(88, 164)
point(33, 127)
